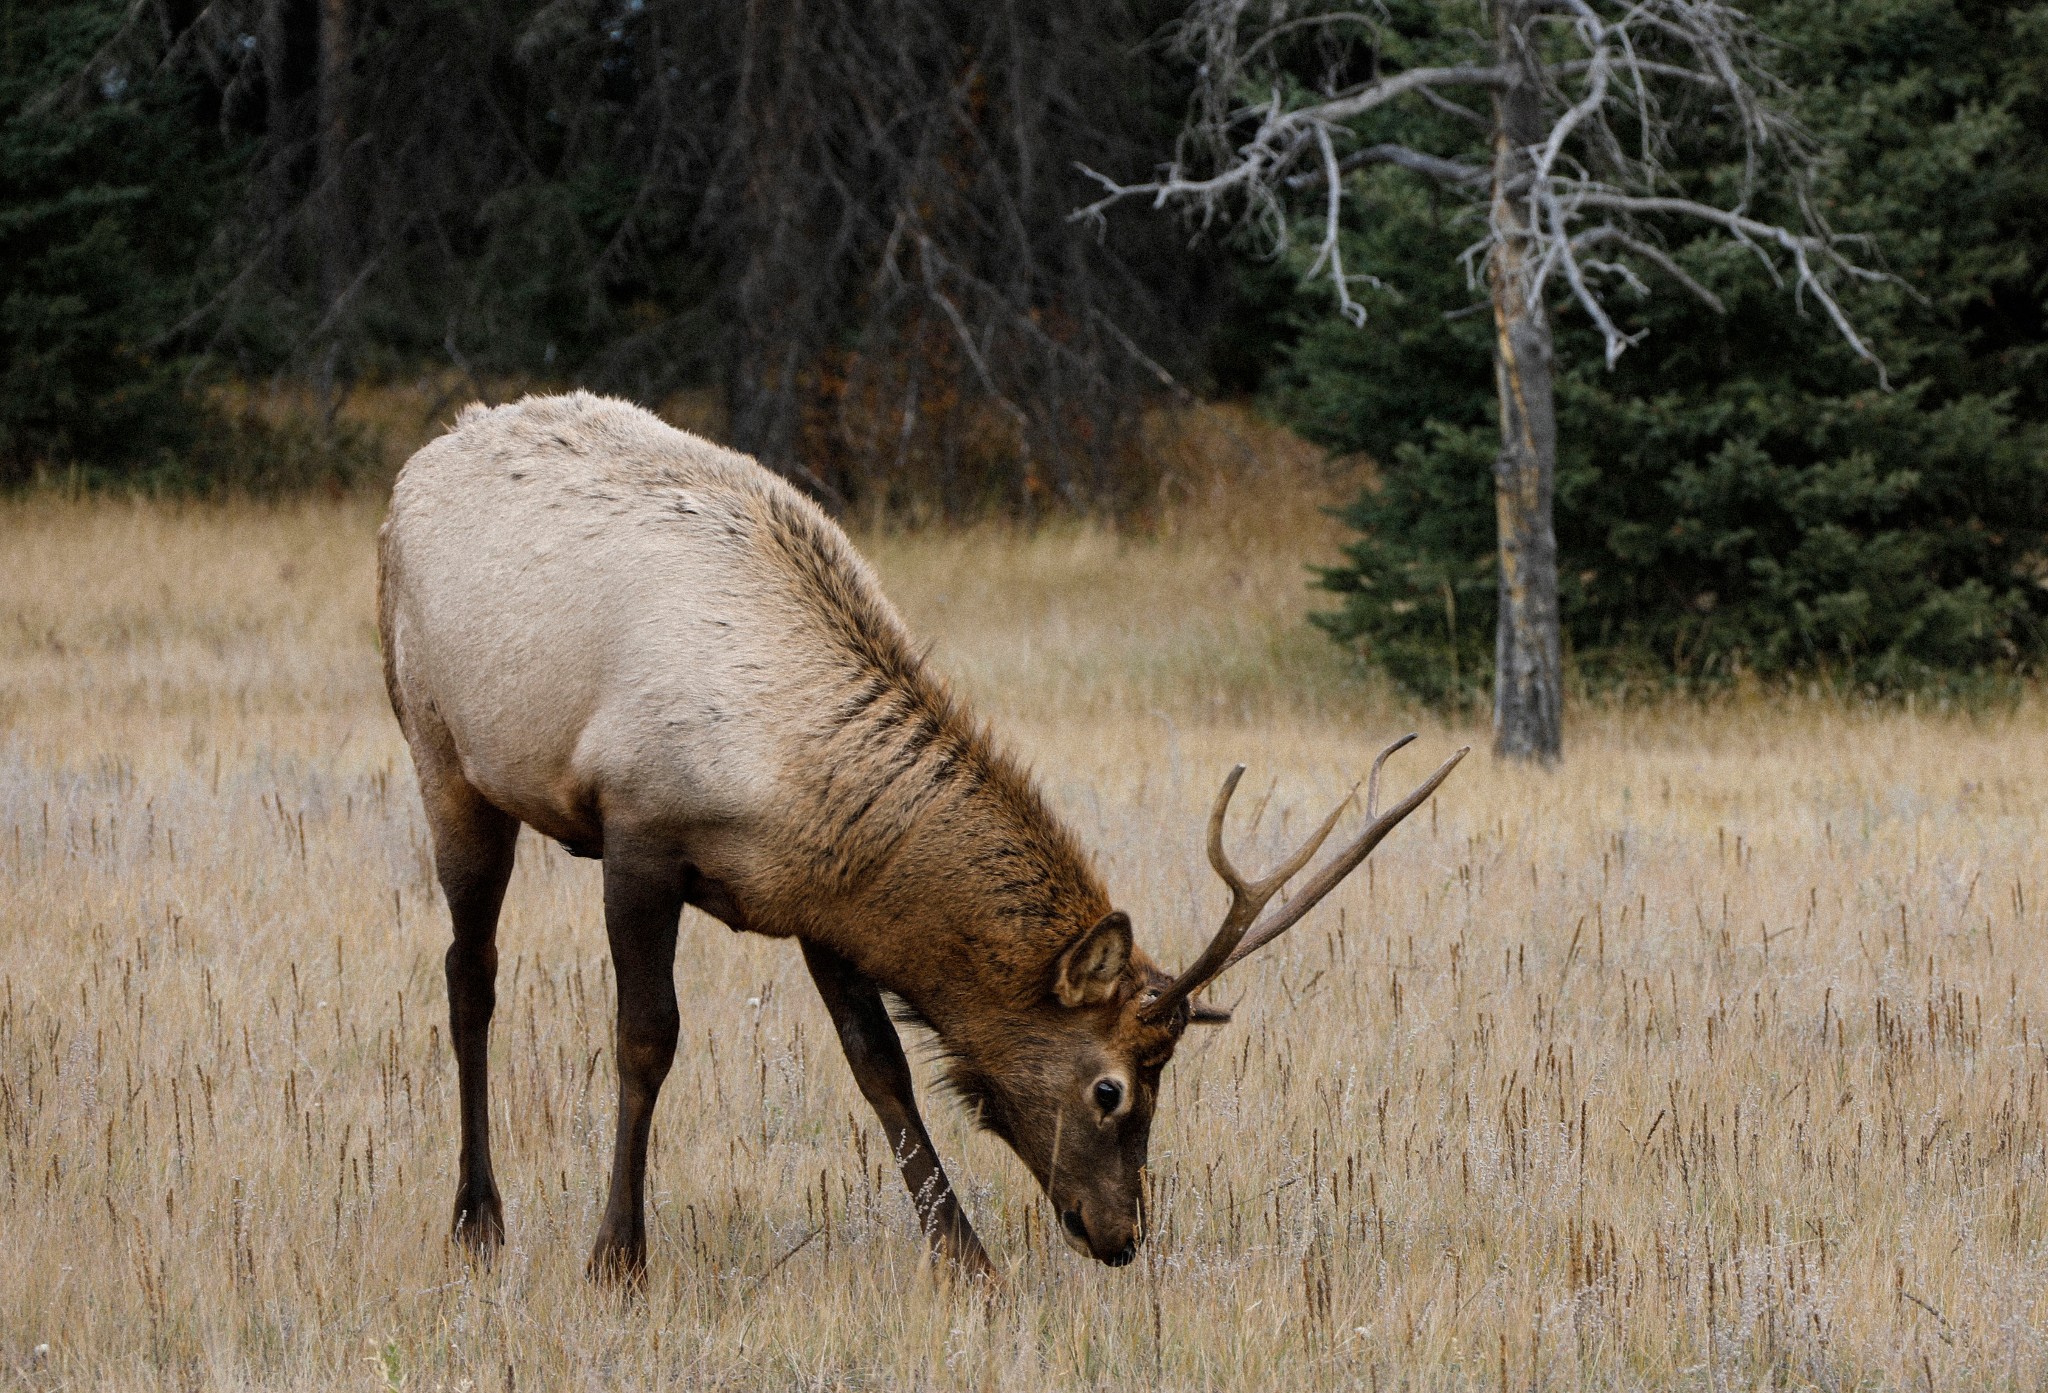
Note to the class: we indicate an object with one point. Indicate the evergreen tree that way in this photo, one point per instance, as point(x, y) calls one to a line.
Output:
point(1736, 494)
point(1584, 131)
point(113, 181)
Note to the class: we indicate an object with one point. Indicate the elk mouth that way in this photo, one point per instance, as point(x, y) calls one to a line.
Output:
point(1078, 1240)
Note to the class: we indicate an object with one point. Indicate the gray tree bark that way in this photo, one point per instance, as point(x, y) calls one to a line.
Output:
point(1528, 693)
point(332, 210)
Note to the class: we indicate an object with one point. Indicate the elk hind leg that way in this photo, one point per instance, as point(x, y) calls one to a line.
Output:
point(643, 900)
point(875, 1054)
point(473, 848)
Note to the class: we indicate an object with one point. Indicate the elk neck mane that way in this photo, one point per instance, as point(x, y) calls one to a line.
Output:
point(911, 796)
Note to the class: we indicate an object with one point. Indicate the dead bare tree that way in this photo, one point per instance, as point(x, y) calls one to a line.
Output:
point(1581, 195)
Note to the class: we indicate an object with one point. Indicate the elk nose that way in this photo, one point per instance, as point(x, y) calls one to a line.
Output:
point(1073, 1223)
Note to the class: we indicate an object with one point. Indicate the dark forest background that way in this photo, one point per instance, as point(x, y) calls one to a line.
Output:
point(849, 224)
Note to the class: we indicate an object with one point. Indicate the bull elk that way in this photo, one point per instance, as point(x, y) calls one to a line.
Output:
point(657, 653)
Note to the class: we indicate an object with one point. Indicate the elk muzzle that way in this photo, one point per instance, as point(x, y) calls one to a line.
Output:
point(1101, 1232)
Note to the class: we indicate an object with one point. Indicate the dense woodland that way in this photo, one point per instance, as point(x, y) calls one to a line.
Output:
point(853, 223)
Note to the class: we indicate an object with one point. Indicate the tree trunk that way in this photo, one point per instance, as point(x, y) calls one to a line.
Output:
point(332, 115)
point(1528, 692)
point(331, 207)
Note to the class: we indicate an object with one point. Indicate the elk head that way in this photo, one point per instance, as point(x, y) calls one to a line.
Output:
point(1077, 1086)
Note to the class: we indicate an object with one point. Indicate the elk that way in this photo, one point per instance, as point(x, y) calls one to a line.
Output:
point(658, 653)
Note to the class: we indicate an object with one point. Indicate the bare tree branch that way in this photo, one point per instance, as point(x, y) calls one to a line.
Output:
point(1331, 252)
point(1282, 137)
point(1434, 166)
point(1805, 251)
point(1434, 98)
point(1608, 232)
point(1616, 76)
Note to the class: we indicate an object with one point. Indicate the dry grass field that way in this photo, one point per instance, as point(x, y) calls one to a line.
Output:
point(1714, 1060)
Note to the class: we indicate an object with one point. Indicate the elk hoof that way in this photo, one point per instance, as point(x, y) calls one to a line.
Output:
point(479, 1222)
point(619, 1265)
point(969, 1262)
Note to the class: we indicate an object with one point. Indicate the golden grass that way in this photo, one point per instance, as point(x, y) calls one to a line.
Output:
point(1714, 1060)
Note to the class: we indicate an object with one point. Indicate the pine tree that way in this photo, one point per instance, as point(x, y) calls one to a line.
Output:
point(1586, 128)
point(1736, 495)
point(113, 179)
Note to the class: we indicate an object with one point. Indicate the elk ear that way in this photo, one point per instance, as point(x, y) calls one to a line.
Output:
point(1202, 1013)
point(1087, 973)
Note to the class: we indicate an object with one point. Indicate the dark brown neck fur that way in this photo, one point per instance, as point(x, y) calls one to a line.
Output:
point(946, 871)
point(930, 859)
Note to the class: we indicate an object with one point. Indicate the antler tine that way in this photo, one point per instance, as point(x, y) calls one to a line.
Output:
point(1247, 898)
point(1258, 892)
point(1217, 857)
point(1372, 785)
point(1346, 861)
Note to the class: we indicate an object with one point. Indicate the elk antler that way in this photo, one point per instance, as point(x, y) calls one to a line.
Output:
point(1233, 943)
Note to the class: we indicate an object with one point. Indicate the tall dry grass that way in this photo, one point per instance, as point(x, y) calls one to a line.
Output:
point(1713, 1060)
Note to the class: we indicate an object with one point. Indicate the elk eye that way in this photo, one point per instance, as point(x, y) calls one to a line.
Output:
point(1109, 1095)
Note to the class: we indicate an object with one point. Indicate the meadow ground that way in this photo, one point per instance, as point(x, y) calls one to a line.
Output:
point(1712, 1060)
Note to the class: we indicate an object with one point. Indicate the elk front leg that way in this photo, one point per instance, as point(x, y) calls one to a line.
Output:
point(876, 1056)
point(643, 899)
